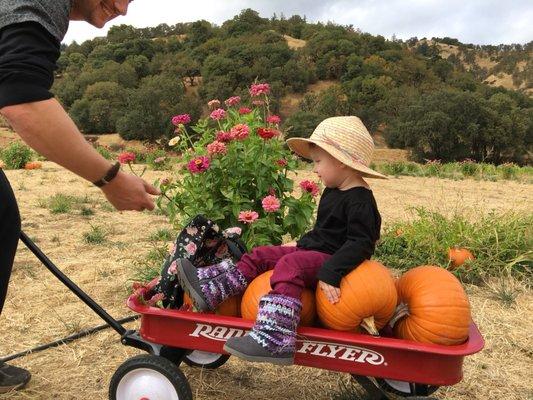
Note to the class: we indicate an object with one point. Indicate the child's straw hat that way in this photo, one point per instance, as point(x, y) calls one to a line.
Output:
point(346, 139)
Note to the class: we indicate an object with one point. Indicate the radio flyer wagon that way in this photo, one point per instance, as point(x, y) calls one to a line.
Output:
point(385, 367)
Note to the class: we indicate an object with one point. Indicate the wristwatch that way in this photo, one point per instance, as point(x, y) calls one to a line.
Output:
point(108, 177)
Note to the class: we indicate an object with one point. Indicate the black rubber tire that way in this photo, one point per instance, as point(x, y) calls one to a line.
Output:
point(415, 389)
point(157, 363)
point(383, 391)
point(220, 361)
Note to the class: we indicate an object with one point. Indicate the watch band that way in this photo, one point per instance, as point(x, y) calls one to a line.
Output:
point(108, 177)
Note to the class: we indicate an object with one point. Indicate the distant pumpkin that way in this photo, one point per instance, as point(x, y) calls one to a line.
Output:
point(458, 256)
point(33, 165)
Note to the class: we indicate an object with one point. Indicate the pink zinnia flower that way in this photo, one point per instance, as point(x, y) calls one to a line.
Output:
point(181, 119)
point(259, 89)
point(198, 165)
point(233, 101)
point(309, 187)
point(155, 299)
point(274, 119)
point(258, 103)
point(240, 131)
point(214, 104)
point(224, 137)
point(125, 158)
point(244, 110)
point(248, 217)
point(218, 114)
point(216, 148)
point(271, 204)
point(267, 133)
point(282, 162)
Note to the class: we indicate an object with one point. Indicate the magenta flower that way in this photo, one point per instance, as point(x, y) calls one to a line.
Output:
point(267, 133)
point(216, 148)
point(218, 114)
point(274, 119)
point(271, 204)
point(259, 89)
point(181, 119)
point(258, 103)
point(233, 101)
point(213, 104)
point(224, 137)
point(309, 187)
point(240, 131)
point(282, 162)
point(244, 110)
point(248, 217)
point(198, 165)
point(126, 157)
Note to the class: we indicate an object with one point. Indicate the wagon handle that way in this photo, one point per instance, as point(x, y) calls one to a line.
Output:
point(112, 322)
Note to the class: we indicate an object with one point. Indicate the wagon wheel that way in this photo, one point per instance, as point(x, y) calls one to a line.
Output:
point(387, 389)
point(405, 389)
point(149, 377)
point(204, 359)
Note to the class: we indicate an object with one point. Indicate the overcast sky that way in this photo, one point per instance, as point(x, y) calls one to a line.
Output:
point(470, 21)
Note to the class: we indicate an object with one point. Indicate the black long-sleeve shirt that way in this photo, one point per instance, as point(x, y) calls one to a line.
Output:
point(347, 227)
point(28, 55)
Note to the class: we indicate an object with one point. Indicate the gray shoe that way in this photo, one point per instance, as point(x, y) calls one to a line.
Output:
point(247, 348)
point(189, 281)
point(208, 287)
point(12, 378)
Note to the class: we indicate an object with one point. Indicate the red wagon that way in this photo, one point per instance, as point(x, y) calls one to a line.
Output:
point(385, 367)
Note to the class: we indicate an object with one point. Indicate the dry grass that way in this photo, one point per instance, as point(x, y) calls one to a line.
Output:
point(39, 309)
point(290, 103)
point(294, 43)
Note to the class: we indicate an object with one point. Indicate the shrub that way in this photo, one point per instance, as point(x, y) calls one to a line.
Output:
point(236, 174)
point(16, 155)
point(501, 244)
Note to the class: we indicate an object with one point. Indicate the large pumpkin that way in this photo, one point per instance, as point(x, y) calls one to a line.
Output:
point(230, 307)
point(368, 299)
point(433, 307)
point(261, 286)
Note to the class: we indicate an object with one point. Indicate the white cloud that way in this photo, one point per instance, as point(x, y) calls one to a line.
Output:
point(474, 21)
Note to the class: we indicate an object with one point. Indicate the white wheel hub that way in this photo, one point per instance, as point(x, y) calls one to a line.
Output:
point(145, 384)
point(203, 357)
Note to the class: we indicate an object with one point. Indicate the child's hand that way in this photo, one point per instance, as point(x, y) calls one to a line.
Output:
point(332, 293)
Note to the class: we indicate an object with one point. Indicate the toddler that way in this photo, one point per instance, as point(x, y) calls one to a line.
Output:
point(347, 227)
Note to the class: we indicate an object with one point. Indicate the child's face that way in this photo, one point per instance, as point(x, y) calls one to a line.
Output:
point(328, 169)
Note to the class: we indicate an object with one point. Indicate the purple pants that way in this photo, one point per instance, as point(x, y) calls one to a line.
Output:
point(294, 268)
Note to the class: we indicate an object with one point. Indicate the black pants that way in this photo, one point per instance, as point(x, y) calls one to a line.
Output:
point(9, 234)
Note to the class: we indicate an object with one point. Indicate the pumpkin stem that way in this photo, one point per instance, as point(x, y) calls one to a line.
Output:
point(401, 311)
point(370, 326)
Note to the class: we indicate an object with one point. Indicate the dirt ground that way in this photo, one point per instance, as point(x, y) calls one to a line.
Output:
point(39, 309)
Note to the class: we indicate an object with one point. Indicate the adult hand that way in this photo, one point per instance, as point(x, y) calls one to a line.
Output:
point(332, 293)
point(129, 192)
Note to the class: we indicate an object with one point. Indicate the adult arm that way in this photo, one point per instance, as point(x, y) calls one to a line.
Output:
point(47, 128)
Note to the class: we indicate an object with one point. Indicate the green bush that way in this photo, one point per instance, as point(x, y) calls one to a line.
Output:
point(16, 155)
point(501, 244)
point(236, 174)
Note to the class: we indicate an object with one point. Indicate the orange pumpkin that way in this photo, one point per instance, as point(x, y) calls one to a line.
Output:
point(261, 286)
point(230, 307)
point(433, 307)
point(368, 299)
point(33, 165)
point(458, 256)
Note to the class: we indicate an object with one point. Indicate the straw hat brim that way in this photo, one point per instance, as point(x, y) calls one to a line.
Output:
point(301, 147)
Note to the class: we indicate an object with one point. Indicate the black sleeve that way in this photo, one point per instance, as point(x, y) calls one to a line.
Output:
point(359, 245)
point(28, 55)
